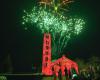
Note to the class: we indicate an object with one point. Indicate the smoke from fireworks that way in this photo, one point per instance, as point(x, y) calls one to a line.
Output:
point(60, 27)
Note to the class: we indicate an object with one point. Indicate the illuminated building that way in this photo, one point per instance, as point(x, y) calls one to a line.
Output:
point(52, 68)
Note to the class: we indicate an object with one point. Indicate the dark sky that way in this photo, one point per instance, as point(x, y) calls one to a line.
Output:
point(25, 47)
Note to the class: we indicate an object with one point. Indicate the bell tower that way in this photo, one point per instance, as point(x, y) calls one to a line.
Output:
point(46, 57)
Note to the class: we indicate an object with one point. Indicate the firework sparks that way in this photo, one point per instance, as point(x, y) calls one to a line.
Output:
point(60, 28)
point(56, 4)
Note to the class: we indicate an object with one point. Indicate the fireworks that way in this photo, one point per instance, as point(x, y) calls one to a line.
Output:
point(55, 4)
point(51, 23)
point(60, 27)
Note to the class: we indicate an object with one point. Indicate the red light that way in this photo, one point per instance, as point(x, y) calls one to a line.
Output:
point(52, 68)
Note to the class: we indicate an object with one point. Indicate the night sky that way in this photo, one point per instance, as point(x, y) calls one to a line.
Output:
point(25, 46)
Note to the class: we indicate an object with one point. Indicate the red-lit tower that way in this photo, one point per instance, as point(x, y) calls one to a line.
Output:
point(46, 62)
point(61, 63)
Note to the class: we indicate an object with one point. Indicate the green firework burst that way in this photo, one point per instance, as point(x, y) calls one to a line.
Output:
point(60, 27)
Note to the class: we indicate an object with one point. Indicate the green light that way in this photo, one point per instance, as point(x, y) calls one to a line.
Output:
point(26, 28)
point(55, 8)
point(60, 28)
point(23, 23)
